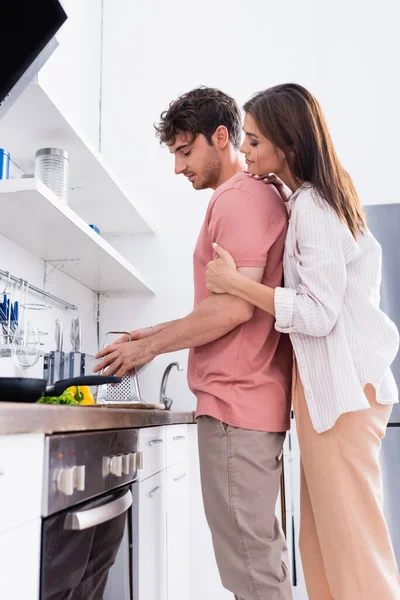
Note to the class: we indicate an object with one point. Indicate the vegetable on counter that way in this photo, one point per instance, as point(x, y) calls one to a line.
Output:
point(66, 398)
point(82, 394)
point(76, 395)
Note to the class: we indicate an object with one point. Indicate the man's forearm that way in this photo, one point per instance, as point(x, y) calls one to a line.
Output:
point(161, 326)
point(210, 320)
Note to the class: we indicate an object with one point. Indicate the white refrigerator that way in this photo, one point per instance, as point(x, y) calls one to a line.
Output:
point(384, 222)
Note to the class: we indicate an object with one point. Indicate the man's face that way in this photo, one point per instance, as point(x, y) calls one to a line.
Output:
point(197, 160)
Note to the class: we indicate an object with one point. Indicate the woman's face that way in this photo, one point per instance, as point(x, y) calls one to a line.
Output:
point(262, 157)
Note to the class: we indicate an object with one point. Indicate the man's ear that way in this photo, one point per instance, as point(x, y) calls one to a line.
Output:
point(220, 137)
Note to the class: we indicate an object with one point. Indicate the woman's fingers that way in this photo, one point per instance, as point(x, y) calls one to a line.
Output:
point(220, 251)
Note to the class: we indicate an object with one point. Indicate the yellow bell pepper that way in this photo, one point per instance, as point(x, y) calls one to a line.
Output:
point(87, 395)
point(82, 394)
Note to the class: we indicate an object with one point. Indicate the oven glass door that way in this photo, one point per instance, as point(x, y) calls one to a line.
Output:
point(79, 547)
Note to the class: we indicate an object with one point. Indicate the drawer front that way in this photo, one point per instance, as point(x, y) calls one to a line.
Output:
point(152, 445)
point(21, 479)
point(149, 548)
point(177, 444)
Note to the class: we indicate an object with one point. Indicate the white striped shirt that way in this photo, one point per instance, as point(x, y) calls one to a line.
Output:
point(330, 308)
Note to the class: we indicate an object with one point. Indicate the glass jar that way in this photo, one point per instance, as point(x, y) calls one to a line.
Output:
point(52, 167)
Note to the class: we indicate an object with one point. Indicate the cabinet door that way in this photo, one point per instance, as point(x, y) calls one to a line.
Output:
point(178, 564)
point(152, 445)
point(21, 477)
point(177, 444)
point(20, 562)
point(149, 538)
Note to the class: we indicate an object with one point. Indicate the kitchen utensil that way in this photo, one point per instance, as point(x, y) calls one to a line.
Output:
point(4, 164)
point(128, 390)
point(76, 334)
point(135, 406)
point(23, 299)
point(18, 389)
point(75, 360)
point(57, 362)
point(52, 167)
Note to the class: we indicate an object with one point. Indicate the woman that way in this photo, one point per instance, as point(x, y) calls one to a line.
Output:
point(343, 389)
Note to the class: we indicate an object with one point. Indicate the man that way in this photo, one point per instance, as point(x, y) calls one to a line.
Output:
point(239, 366)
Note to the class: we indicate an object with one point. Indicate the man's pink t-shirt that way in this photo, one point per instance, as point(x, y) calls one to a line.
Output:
point(244, 378)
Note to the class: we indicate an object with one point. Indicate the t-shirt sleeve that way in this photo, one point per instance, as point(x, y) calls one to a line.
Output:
point(247, 225)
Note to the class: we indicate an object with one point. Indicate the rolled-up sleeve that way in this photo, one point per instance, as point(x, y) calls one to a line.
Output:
point(284, 308)
point(321, 253)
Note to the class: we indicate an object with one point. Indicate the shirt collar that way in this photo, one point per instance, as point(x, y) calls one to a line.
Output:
point(289, 204)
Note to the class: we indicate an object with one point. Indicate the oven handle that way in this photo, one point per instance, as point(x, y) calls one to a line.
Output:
point(86, 519)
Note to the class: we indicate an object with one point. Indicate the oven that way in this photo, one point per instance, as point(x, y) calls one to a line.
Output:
point(88, 494)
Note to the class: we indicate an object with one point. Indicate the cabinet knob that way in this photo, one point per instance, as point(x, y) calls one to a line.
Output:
point(126, 464)
point(132, 462)
point(79, 478)
point(65, 481)
point(179, 477)
point(139, 460)
point(116, 466)
point(154, 492)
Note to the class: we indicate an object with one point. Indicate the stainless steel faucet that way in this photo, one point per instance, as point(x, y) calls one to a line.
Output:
point(163, 392)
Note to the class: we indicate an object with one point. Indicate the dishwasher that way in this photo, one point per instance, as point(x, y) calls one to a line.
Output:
point(86, 526)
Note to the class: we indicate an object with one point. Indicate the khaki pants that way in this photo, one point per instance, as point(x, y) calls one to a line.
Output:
point(344, 540)
point(240, 475)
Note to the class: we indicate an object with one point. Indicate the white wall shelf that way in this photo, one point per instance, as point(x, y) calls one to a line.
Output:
point(36, 219)
point(34, 122)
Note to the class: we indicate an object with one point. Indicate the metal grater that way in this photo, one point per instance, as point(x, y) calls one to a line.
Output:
point(127, 391)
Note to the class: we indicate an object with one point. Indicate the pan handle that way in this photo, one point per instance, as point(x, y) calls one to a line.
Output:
point(58, 388)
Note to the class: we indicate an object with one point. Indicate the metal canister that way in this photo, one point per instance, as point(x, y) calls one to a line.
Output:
point(52, 167)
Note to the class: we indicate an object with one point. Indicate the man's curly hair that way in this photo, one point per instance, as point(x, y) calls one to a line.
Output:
point(201, 110)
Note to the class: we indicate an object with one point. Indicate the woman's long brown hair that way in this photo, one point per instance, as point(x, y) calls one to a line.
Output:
point(291, 118)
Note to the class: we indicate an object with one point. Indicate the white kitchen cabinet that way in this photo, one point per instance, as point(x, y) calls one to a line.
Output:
point(178, 563)
point(177, 444)
point(21, 479)
point(161, 516)
point(149, 538)
point(152, 445)
point(20, 562)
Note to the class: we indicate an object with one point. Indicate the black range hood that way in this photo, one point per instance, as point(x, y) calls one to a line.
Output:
point(27, 30)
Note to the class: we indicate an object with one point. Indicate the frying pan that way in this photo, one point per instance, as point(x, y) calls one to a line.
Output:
point(18, 389)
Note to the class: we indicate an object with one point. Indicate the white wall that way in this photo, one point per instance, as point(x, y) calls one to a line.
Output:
point(356, 80)
point(72, 75)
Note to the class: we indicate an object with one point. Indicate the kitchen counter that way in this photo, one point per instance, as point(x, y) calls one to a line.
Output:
point(48, 419)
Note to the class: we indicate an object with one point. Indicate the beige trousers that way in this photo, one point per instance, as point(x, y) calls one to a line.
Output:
point(345, 544)
point(240, 475)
